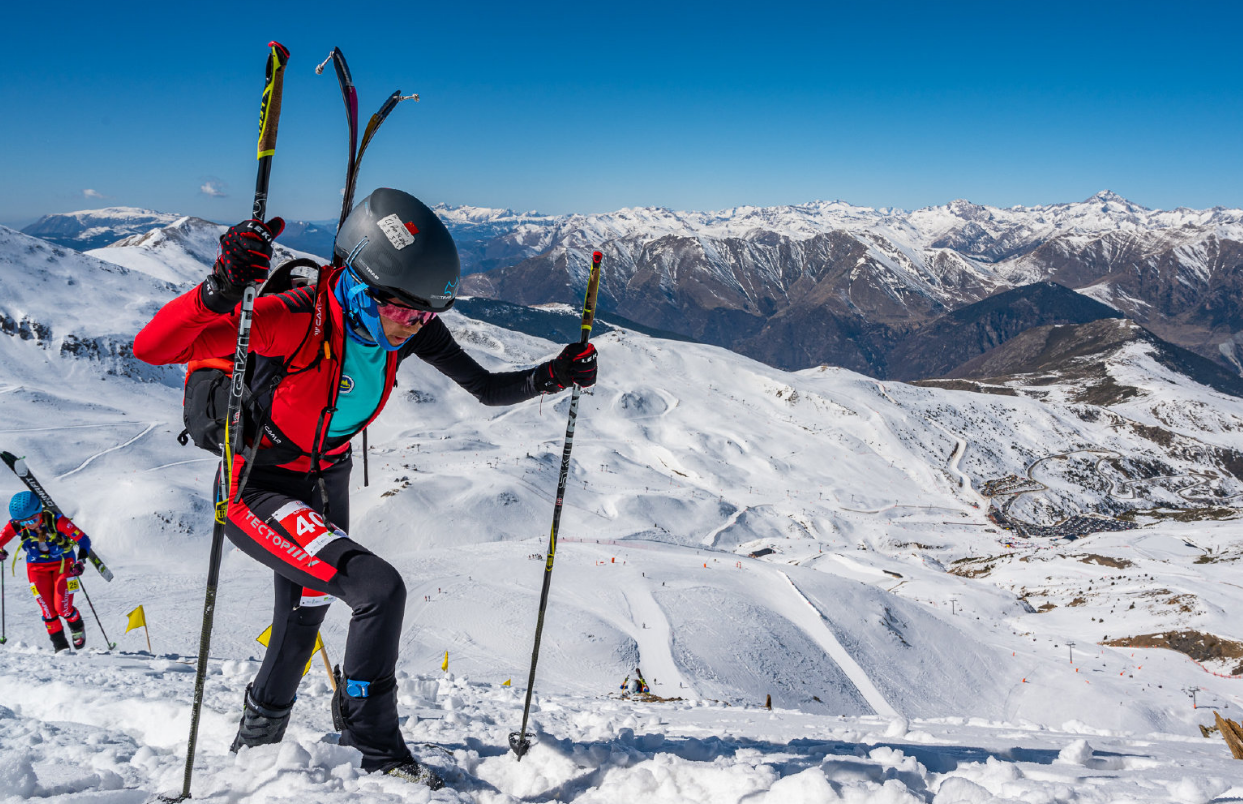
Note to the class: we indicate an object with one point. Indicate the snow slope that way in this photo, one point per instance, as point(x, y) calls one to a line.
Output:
point(686, 459)
point(90, 228)
point(181, 252)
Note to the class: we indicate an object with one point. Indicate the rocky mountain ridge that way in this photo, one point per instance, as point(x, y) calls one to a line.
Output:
point(832, 283)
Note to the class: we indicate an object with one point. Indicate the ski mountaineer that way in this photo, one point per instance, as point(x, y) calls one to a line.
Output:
point(49, 540)
point(326, 361)
point(635, 685)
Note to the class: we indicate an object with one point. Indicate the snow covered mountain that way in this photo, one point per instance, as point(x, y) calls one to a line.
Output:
point(95, 228)
point(913, 652)
point(492, 238)
point(838, 284)
point(827, 282)
point(181, 252)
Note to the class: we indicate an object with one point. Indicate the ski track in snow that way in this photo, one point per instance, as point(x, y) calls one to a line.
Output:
point(655, 638)
point(182, 463)
point(709, 541)
point(62, 427)
point(87, 462)
point(818, 629)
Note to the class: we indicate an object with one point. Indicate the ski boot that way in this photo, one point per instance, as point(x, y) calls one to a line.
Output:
point(59, 642)
point(365, 712)
point(77, 630)
point(261, 724)
point(415, 773)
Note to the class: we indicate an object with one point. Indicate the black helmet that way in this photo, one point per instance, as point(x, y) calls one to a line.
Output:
point(396, 245)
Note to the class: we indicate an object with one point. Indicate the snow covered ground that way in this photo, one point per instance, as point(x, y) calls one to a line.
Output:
point(99, 728)
point(892, 678)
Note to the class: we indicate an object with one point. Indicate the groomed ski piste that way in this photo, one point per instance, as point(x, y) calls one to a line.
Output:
point(892, 680)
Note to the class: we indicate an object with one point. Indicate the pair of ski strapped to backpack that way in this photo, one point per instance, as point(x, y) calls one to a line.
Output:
point(207, 386)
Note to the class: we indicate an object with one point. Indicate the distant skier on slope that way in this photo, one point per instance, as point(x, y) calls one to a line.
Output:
point(49, 540)
point(326, 360)
point(636, 684)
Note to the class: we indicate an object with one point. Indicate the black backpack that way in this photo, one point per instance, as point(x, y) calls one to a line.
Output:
point(206, 401)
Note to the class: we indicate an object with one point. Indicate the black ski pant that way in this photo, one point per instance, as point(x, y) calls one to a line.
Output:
point(277, 522)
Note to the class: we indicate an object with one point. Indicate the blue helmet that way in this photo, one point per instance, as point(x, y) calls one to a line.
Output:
point(24, 505)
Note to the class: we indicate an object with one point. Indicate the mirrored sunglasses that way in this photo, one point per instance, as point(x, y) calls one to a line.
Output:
point(32, 521)
point(406, 316)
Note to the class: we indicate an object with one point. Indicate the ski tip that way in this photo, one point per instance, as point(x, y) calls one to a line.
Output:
point(284, 51)
point(596, 256)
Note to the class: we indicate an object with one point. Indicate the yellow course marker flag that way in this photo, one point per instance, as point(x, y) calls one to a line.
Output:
point(506, 683)
point(264, 638)
point(137, 619)
point(445, 664)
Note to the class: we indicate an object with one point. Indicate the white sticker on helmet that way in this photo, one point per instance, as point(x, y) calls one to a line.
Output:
point(395, 231)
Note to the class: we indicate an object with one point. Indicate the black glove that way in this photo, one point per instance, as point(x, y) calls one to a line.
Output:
point(576, 365)
point(245, 258)
point(4, 556)
point(76, 569)
point(83, 554)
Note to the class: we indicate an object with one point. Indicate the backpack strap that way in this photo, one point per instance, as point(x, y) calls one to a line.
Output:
point(313, 348)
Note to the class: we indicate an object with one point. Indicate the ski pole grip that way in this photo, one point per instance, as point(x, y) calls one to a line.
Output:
point(269, 120)
point(270, 111)
point(589, 303)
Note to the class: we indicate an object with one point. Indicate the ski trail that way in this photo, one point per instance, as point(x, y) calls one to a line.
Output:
point(655, 643)
point(63, 427)
point(710, 539)
point(87, 462)
point(814, 624)
point(177, 463)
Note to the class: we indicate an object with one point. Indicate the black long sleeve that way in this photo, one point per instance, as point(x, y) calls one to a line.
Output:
point(434, 344)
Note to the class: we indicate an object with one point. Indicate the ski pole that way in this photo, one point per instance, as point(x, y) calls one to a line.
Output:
point(111, 645)
point(234, 443)
point(518, 740)
point(3, 636)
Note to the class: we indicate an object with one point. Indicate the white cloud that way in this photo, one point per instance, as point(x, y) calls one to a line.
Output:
point(215, 189)
point(88, 193)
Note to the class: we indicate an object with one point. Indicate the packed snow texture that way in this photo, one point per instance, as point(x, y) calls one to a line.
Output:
point(892, 680)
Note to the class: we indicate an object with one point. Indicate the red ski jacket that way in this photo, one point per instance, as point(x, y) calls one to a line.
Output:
point(298, 338)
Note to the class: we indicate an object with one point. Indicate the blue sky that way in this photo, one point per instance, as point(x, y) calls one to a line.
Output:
point(591, 107)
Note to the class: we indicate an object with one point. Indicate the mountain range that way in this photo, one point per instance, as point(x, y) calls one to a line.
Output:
point(891, 293)
point(832, 283)
point(96, 228)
